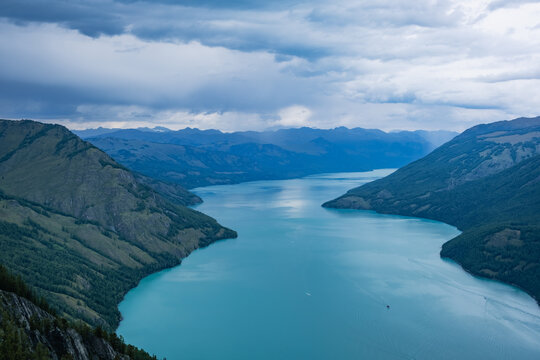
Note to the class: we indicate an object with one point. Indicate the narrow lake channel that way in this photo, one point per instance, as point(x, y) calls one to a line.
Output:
point(304, 282)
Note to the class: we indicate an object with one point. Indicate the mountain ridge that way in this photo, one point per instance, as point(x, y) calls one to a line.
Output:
point(193, 157)
point(83, 229)
point(486, 182)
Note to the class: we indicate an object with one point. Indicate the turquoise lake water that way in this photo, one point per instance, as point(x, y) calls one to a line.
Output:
point(304, 282)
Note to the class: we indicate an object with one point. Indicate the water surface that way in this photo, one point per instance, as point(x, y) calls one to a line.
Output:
point(304, 282)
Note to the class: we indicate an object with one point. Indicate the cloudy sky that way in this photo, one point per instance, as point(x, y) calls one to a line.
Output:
point(255, 64)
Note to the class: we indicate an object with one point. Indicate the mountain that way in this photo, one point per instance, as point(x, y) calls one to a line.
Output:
point(193, 157)
point(171, 191)
point(486, 182)
point(28, 330)
point(436, 138)
point(81, 228)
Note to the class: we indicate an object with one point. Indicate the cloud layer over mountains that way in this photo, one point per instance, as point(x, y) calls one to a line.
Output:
point(250, 64)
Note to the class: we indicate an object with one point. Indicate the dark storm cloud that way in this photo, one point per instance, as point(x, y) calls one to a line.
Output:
point(428, 63)
point(246, 25)
point(231, 4)
point(164, 20)
point(90, 18)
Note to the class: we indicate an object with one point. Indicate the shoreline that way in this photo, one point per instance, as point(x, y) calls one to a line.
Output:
point(463, 267)
point(166, 267)
point(223, 272)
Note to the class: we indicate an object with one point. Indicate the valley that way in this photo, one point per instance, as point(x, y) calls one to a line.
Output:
point(267, 180)
point(83, 229)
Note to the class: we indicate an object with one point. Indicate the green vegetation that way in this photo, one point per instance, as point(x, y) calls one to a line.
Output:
point(14, 343)
point(80, 228)
point(15, 284)
point(487, 183)
point(18, 342)
point(171, 191)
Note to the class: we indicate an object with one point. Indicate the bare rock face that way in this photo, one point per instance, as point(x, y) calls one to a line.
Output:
point(58, 338)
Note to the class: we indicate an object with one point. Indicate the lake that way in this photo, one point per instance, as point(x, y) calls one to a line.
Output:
point(304, 282)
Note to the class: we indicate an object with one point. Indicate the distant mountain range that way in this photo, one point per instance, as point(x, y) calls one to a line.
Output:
point(193, 157)
point(83, 229)
point(486, 182)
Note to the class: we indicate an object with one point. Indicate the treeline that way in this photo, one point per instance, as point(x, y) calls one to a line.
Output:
point(15, 284)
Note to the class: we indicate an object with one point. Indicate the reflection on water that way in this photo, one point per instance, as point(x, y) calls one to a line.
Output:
point(304, 282)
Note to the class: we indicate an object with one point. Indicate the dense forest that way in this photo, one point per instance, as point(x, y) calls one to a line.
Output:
point(18, 339)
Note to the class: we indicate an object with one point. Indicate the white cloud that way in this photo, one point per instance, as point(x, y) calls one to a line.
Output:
point(390, 64)
point(125, 117)
point(293, 116)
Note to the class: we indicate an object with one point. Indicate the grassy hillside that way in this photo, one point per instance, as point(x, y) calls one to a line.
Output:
point(487, 183)
point(81, 228)
point(171, 191)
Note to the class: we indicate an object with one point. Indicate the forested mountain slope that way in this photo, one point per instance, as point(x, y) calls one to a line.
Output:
point(83, 229)
point(29, 330)
point(486, 182)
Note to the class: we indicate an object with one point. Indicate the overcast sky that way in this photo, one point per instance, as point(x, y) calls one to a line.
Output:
point(256, 64)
